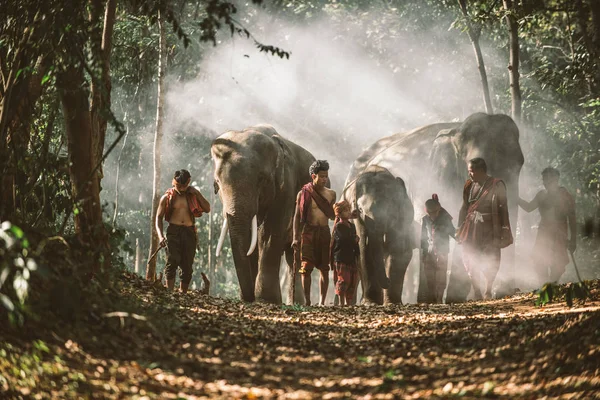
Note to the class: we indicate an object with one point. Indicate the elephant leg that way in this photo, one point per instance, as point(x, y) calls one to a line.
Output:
point(267, 286)
point(295, 294)
point(397, 264)
point(459, 283)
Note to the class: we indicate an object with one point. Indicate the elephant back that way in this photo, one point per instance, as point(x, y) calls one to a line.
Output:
point(399, 151)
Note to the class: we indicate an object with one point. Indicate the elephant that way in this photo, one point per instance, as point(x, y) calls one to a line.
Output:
point(433, 159)
point(257, 174)
point(383, 225)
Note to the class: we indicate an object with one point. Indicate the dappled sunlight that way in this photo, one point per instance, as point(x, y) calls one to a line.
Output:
point(224, 348)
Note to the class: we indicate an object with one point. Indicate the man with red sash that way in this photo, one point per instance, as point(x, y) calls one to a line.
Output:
point(180, 205)
point(484, 227)
point(557, 211)
point(314, 209)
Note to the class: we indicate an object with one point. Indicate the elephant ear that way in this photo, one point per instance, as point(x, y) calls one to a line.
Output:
point(283, 155)
point(445, 158)
point(400, 182)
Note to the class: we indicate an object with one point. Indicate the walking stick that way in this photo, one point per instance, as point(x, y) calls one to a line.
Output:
point(293, 283)
point(575, 265)
point(587, 292)
point(154, 255)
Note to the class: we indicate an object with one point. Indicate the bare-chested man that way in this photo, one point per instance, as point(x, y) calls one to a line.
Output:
point(557, 211)
point(314, 209)
point(179, 206)
point(484, 226)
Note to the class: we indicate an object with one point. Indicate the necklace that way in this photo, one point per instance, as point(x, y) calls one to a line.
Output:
point(471, 198)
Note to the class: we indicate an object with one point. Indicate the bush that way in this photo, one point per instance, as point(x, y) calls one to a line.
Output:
point(16, 267)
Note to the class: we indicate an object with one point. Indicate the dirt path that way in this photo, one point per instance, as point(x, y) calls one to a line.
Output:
point(199, 346)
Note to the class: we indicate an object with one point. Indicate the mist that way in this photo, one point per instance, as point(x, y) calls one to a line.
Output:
point(344, 87)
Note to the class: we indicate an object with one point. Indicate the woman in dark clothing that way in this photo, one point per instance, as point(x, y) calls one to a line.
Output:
point(344, 253)
point(436, 229)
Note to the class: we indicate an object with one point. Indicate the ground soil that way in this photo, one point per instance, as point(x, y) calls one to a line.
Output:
point(196, 346)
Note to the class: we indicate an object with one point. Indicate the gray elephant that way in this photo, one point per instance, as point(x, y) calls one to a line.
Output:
point(257, 175)
point(385, 215)
point(433, 159)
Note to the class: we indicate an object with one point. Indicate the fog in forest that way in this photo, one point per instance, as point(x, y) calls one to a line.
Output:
point(336, 95)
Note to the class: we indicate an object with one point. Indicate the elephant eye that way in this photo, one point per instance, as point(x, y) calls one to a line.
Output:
point(216, 187)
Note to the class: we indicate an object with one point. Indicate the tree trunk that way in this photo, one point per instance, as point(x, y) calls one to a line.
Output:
point(151, 270)
point(474, 37)
point(85, 190)
point(513, 62)
point(138, 255)
point(7, 199)
point(16, 114)
point(101, 88)
point(595, 42)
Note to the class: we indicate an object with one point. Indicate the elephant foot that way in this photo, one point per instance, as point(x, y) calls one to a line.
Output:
point(369, 303)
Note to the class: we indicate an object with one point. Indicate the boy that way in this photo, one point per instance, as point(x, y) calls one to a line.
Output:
point(436, 229)
point(344, 252)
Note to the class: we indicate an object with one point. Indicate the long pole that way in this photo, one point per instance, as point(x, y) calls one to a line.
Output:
point(211, 260)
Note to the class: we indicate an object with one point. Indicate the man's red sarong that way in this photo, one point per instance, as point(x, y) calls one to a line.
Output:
point(314, 248)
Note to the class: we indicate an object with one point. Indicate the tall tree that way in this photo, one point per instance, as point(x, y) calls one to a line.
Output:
point(23, 63)
point(101, 87)
point(158, 136)
point(513, 61)
point(474, 34)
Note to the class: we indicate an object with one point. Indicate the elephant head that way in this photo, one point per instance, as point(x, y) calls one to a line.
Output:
point(495, 138)
point(384, 228)
point(250, 169)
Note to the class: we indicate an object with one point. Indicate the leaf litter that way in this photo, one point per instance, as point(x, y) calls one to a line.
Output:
point(195, 346)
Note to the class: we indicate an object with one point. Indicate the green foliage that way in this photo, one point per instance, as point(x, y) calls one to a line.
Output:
point(16, 267)
point(573, 293)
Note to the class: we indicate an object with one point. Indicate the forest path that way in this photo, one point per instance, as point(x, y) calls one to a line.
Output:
point(193, 346)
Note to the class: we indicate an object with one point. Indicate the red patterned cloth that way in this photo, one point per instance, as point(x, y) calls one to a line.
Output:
point(308, 195)
point(314, 248)
point(192, 201)
point(346, 279)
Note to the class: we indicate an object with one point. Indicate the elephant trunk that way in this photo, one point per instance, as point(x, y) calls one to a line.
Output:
point(375, 254)
point(372, 265)
point(241, 235)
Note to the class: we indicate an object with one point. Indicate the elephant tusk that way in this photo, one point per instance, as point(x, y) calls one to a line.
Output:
point(222, 237)
point(253, 237)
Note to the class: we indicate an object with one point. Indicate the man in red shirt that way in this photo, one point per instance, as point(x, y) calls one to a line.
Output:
point(179, 206)
point(484, 226)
